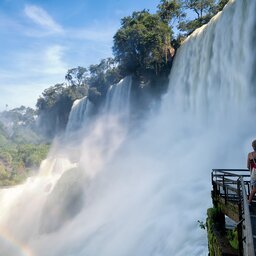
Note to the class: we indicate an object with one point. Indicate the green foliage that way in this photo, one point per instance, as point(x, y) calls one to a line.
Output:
point(142, 42)
point(170, 10)
point(212, 216)
point(77, 77)
point(17, 160)
point(214, 224)
point(200, 7)
point(50, 96)
point(5, 157)
point(190, 26)
point(24, 116)
point(32, 155)
point(3, 139)
point(101, 76)
point(55, 104)
point(25, 135)
point(221, 5)
point(18, 125)
point(3, 173)
point(204, 10)
point(232, 236)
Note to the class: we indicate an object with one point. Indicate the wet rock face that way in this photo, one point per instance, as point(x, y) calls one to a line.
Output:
point(64, 202)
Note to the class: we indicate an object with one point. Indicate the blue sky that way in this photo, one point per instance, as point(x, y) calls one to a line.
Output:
point(41, 39)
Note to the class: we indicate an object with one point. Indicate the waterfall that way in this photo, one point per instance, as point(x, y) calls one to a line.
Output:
point(117, 103)
point(118, 97)
point(213, 69)
point(143, 194)
point(78, 114)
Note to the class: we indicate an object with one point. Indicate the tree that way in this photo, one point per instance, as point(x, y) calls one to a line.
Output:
point(200, 7)
point(55, 105)
point(19, 124)
point(204, 10)
point(77, 76)
point(221, 5)
point(169, 11)
point(192, 25)
point(102, 75)
point(142, 42)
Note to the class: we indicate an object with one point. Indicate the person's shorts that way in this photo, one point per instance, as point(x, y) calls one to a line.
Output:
point(253, 183)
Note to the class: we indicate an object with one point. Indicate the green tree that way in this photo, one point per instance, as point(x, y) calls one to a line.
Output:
point(170, 10)
point(3, 173)
point(221, 5)
point(142, 42)
point(32, 155)
point(19, 125)
point(204, 11)
point(54, 107)
point(200, 7)
point(77, 77)
point(102, 75)
point(22, 115)
point(192, 25)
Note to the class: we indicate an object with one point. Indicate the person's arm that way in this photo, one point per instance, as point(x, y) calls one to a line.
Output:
point(248, 161)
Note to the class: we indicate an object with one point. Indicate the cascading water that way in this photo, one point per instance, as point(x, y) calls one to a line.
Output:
point(78, 114)
point(143, 195)
point(118, 97)
point(117, 103)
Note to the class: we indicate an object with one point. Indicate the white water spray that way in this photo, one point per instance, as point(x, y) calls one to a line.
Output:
point(143, 195)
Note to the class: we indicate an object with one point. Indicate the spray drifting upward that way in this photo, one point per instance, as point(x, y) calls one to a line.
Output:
point(144, 195)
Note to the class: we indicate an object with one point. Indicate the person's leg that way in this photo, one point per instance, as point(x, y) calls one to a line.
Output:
point(253, 191)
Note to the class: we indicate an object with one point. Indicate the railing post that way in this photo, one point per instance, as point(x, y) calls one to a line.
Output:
point(240, 225)
point(247, 225)
point(214, 190)
point(225, 189)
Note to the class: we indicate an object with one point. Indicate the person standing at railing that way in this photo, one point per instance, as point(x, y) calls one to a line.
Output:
point(251, 165)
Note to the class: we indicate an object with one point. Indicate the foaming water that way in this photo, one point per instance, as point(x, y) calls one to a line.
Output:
point(117, 194)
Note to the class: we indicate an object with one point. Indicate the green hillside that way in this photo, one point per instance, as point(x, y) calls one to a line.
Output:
point(21, 148)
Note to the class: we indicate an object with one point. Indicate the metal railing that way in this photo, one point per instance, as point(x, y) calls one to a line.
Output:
point(233, 185)
point(248, 246)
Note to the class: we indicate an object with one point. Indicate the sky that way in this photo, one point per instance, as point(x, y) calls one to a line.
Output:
point(41, 39)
